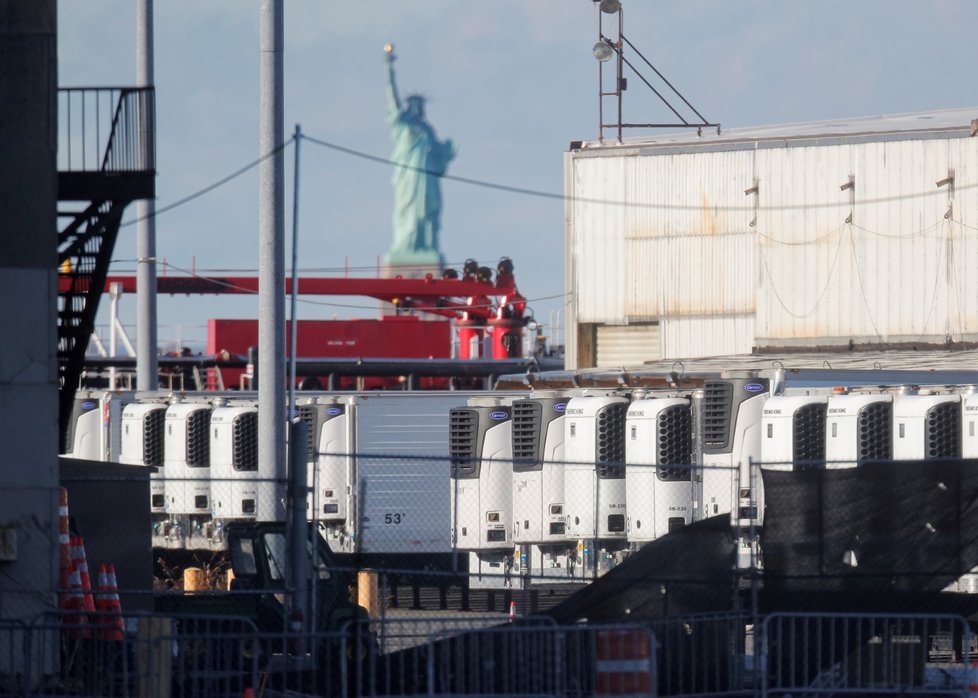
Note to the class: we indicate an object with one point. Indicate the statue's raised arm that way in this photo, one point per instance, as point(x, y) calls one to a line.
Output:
point(393, 98)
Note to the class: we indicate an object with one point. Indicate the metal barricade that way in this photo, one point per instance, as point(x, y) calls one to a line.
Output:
point(846, 654)
point(485, 655)
point(150, 656)
point(530, 658)
point(13, 658)
point(703, 654)
point(69, 654)
point(312, 663)
point(394, 650)
point(203, 656)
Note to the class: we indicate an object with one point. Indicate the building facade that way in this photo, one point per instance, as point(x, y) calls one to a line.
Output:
point(855, 233)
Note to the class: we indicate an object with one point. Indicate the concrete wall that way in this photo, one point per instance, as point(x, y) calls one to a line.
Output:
point(28, 303)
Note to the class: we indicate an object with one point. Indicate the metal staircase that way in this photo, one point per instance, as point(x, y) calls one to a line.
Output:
point(106, 160)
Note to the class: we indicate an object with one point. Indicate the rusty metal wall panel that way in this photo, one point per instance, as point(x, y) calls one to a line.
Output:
point(633, 212)
point(689, 247)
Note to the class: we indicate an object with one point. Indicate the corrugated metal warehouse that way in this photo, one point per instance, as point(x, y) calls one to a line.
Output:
point(855, 232)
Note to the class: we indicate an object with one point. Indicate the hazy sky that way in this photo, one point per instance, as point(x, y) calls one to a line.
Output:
point(512, 83)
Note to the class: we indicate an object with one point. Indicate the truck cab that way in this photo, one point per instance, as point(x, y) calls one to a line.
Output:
point(259, 557)
point(258, 590)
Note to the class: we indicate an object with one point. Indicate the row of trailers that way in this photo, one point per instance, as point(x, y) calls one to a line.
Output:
point(553, 485)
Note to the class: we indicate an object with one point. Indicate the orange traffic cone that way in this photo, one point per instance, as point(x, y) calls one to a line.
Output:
point(101, 599)
point(75, 619)
point(114, 627)
point(64, 549)
point(80, 563)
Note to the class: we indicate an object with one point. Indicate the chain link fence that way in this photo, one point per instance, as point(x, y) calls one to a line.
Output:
point(414, 533)
point(722, 655)
point(459, 530)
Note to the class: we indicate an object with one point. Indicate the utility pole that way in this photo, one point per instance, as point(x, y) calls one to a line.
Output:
point(147, 341)
point(272, 417)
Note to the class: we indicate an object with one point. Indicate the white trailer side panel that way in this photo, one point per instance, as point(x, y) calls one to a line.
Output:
point(403, 469)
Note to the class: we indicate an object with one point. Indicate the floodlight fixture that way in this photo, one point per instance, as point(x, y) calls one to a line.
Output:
point(603, 51)
point(610, 6)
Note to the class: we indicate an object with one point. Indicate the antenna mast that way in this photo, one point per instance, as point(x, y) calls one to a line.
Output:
point(608, 47)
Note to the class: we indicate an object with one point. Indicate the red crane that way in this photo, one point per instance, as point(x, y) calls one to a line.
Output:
point(477, 305)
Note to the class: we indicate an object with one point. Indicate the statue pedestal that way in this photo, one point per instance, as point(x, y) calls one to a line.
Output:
point(415, 265)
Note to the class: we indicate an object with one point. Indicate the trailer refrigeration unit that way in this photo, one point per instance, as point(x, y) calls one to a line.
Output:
point(142, 443)
point(481, 443)
point(793, 433)
point(658, 470)
point(235, 484)
point(94, 427)
point(968, 583)
point(188, 476)
point(969, 428)
point(926, 425)
point(594, 481)
point(858, 428)
point(332, 484)
point(539, 523)
point(378, 468)
point(731, 432)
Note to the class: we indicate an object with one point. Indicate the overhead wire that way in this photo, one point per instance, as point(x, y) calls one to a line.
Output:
point(933, 302)
point(907, 236)
point(798, 243)
point(525, 191)
point(960, 284)
point(630, 204)
point(954, 283)
point(210, 187)
point(442, 175)
point(862, 288)
point(611, 202)
point(963, 224)
point(828, 279)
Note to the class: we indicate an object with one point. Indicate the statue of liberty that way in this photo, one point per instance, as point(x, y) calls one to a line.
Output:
point(420, 161)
